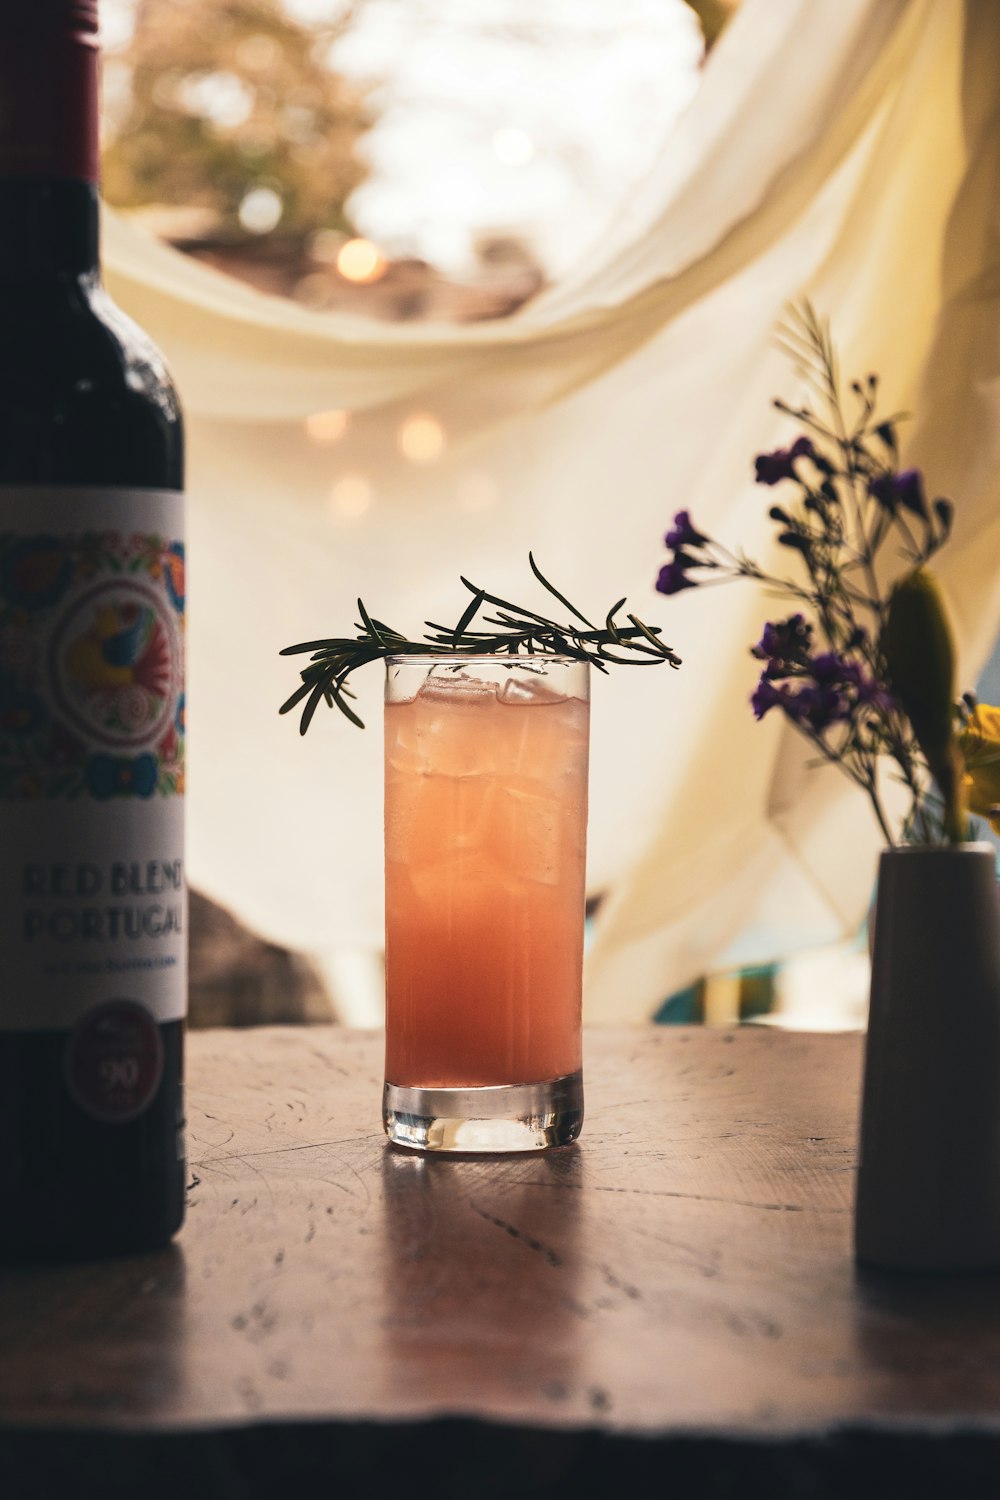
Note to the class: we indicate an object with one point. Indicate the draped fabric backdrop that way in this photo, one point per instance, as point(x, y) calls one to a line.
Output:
point(846, 150)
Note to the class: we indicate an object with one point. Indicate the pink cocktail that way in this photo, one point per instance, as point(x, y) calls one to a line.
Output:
point(485, 830)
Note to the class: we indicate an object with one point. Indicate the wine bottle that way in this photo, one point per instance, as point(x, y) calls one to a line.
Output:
point(92, 896)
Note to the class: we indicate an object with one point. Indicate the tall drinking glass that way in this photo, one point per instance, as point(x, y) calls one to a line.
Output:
point(485, 839)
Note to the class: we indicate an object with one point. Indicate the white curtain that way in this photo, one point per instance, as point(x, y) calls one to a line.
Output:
point(848, 150)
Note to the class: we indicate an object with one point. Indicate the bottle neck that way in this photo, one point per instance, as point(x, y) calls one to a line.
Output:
point(48, 139)
point(50, 229)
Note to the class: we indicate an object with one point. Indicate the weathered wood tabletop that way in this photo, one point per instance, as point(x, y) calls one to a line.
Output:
point(676, 1288)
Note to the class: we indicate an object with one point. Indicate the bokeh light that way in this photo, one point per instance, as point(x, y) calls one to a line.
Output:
point(513, 147)
point(326, 426)
point(350, 497)
point(325, 245)
point(360, 261)
point(421, 438)
point(257, 52)
point(261, 210)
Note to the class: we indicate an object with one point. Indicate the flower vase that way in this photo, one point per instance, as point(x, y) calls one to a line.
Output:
point(928, 1190)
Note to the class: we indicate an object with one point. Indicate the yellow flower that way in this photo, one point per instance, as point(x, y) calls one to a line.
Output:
point(980, 746)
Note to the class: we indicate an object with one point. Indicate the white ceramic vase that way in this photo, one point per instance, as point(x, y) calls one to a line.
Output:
point(928, 1191)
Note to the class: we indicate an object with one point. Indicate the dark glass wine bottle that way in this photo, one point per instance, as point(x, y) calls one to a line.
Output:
point(92, 901)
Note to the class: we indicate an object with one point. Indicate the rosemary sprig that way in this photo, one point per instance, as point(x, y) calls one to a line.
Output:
point(514, 631)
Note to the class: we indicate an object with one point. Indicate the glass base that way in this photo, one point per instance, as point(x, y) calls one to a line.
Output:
point(484, 1121)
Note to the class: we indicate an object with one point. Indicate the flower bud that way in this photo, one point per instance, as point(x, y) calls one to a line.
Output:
point(920, 657)
point(944, 510)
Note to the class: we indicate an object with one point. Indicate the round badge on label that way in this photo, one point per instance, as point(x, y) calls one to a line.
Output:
point(116, 664)
point(114, 1061)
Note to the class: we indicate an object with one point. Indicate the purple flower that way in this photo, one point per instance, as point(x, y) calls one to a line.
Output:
point(765, 697)
point(905, 489)
point(814, 704)
point(872, 694)
point(672, 577)
point(784, 641)
point(833, 672)
point(820, 704)
point(884, 491)
point(824, 689)
point(770, 468)
point(910, 492)
point(831, 667)
point(682, 533)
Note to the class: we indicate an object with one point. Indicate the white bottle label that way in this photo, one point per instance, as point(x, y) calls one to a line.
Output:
point(92, 891)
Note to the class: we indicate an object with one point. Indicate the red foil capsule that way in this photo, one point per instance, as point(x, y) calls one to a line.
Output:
point(49, 89)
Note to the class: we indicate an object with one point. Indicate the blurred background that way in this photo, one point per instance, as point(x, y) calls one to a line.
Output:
point(409, 161)
point(403, 159)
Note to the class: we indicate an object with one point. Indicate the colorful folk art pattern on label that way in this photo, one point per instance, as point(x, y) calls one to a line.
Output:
point(91, 665)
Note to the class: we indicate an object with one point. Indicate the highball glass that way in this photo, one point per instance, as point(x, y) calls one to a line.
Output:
point(485, 840)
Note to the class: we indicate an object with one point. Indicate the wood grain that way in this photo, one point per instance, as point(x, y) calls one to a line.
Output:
point(685, 1269)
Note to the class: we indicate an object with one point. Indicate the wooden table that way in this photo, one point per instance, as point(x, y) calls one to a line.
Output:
point(672, 1300)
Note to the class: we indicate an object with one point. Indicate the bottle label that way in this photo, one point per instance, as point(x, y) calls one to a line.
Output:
point(92, 889)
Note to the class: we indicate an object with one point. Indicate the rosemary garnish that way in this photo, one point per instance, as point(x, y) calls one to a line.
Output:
point(516, 631)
